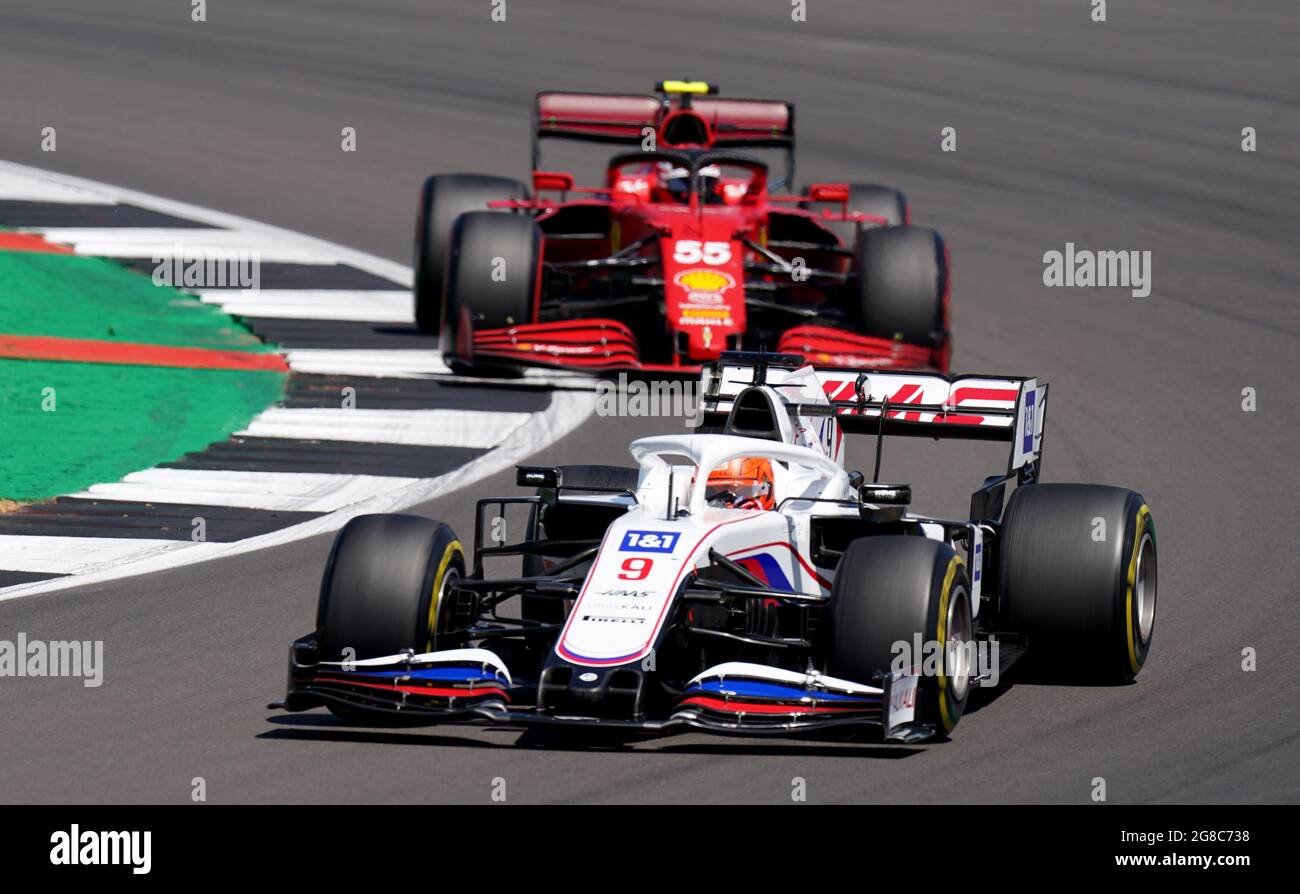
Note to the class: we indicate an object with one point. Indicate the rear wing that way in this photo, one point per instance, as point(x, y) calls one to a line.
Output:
point(1012, 409)
point(622, 118)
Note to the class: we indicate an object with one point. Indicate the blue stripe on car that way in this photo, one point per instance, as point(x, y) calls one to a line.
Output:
point(756, 689)
point(455, 674)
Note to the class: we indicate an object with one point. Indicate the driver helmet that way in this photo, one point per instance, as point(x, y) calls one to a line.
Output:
point(742, 483)
point(711, 183)
point(675, 180)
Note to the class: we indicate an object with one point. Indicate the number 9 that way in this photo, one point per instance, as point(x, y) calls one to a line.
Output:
point(636, 569)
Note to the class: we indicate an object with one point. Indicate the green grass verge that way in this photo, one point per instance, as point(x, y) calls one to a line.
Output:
point(69, 425)
point(65, 426)
point(78, 297)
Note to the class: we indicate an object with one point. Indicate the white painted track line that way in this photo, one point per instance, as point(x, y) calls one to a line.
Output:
point(19, 186)
point(425, 428)
point(316, 304)
point(568, 410)
point(398, 273)
point(419, 364)
point(143, 242)
point(73, 555)
point(285, 491)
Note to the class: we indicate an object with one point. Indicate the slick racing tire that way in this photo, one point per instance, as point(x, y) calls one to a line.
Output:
point(443, 198)
point(878, 201)
point(1078, 577)
point(889, 589)
point(492, 273)
point(385, 585)
point(901, 282)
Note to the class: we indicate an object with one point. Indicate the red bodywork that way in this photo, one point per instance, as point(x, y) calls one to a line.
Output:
point(636, 275)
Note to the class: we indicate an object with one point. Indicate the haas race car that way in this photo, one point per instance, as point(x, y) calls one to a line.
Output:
point(740, 579)
point(680, 254)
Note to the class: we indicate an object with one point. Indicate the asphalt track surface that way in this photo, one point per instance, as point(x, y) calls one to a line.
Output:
point(1123, 135)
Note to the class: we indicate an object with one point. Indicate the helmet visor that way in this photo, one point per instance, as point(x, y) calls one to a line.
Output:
point(737, 489)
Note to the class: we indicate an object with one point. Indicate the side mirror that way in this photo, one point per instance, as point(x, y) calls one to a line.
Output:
point(829, 192)
point(886, 494)
point(537, 476)
point(554, 181)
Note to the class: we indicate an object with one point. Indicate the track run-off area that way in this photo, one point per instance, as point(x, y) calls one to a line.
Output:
point(368, 428)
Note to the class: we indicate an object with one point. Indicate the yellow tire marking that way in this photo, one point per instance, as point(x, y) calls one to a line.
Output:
point(453, 549)
point(945, 711)
point(1139, 531)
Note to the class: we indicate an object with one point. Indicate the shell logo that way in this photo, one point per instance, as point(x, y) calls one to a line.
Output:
point(704, 286)
point(704, 280)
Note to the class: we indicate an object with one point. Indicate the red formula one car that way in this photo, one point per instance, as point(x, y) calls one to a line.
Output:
point(684, 251)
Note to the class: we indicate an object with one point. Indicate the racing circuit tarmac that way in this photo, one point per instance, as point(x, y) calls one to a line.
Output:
point(1124, 135)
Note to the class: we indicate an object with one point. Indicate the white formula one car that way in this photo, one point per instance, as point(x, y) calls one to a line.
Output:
point(743, 581)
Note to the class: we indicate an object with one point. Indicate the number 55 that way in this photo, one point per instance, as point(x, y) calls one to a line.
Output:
point(691, 251)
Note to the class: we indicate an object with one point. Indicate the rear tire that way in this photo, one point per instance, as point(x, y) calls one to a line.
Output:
point(887, 590)
point(493, 269)
point(384, 584)
point(901, 283)
point(1078, 577)
point(443, 198)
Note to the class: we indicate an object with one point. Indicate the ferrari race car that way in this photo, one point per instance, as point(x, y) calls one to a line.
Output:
point(681, 253)
point(740, 580)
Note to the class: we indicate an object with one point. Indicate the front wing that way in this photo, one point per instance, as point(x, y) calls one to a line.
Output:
point(474, 685)
point(598, 345)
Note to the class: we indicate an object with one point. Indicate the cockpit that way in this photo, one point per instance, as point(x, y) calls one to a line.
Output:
point(671, 178)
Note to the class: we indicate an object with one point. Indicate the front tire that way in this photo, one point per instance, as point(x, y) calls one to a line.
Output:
point(1078, 577)
point(902, 285)
point(443, 198)
point(889, 589)
point(492, 274)
point(384, 587)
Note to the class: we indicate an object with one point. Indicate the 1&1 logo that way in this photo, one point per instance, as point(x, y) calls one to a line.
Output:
point(649, 542)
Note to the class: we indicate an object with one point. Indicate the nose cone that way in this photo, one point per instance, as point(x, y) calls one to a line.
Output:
point(704, 288)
